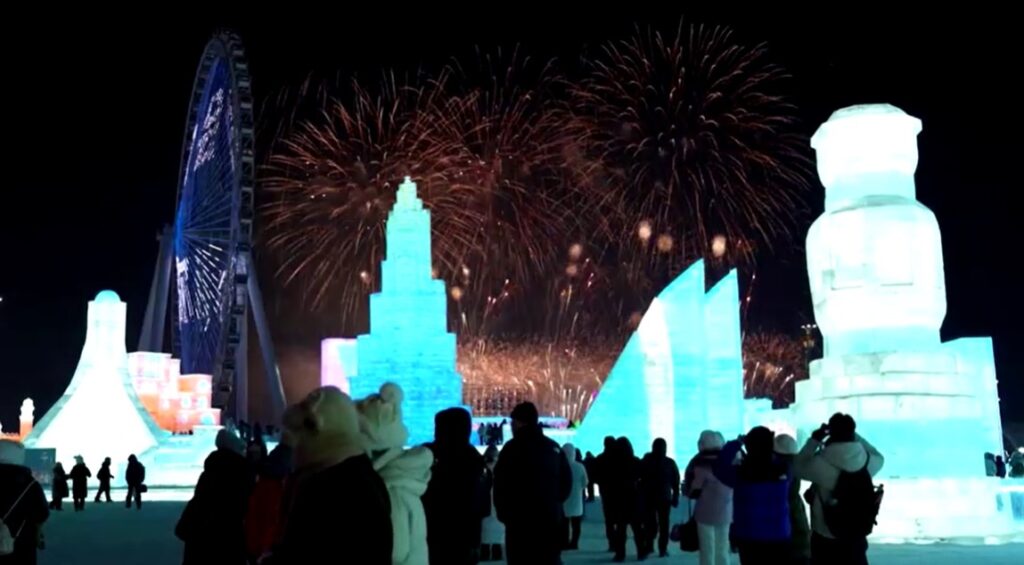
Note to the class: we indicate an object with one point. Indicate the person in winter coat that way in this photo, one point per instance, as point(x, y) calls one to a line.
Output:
point(23, 507)
point(800, 548)
point(457, 496)
point(713, 508)
point(335, 507)
point(59, 490)
point(212, 524)
point(263, 517)
point(573, 506)
point(79, 483)
point(760, 484)
point(103, 476)
point(601, 463)
point(660, 482)
point(492, 531)
point(134, 477)
point(405, 472)
point(531, 482)
point(622, 477)
point(1000, 467)
point(832, 449)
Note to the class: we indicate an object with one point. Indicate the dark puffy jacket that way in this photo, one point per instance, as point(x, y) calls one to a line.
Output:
point(659, 478)
point(27, 515)
point(212, 524)
point(457, 495)
point(532, 479)
point(760, 496)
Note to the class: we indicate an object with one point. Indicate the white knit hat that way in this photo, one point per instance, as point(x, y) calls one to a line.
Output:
point(785, 445)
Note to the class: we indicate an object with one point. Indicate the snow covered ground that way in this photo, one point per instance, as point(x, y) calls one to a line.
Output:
point(108, 534)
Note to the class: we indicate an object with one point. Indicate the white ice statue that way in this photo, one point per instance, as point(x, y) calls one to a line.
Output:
point(874, 262)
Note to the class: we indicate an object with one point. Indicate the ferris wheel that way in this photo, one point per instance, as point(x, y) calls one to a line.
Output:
point(214, 283)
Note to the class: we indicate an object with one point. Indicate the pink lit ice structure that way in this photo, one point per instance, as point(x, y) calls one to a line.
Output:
point(177, 402)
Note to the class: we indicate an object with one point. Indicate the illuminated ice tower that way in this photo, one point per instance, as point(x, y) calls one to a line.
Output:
point(99, 414)
point(874, 259)
point(409, 342)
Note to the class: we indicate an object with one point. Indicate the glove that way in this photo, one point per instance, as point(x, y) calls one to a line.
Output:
point(820, 433)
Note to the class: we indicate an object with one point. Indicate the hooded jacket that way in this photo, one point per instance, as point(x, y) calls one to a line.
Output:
point(760, 495)
point(573, 506)
point(714, 499)
point(822, 466)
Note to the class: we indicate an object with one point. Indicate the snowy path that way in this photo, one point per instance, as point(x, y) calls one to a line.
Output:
point(110, 534)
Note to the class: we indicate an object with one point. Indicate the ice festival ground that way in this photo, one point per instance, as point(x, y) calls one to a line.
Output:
point(108, 533)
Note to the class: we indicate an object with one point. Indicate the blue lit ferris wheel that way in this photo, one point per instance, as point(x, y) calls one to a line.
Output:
point(214, 283)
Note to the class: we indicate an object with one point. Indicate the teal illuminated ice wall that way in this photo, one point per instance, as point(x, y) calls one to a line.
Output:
point(681, 371)
point(409, 342)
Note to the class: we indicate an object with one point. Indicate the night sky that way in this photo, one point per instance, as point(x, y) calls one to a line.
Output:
point(94, 115)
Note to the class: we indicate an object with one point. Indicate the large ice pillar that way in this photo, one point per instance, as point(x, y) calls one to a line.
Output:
point(874, 260)
point(680, 372)
point(99, 414)
point(409, 342)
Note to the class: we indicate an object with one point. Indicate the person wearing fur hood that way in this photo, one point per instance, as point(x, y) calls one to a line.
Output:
point(406, 472)
point(335, 508)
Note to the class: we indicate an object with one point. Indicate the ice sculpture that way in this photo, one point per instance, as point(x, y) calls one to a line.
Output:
point(680, 372)
point(874, 259)
point(99, 414)
point(177, 402)
point(337, 362)
point(409, 342)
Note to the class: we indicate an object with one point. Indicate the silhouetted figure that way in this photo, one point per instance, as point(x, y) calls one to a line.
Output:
point(59, 489)
point(800, 541)
point(990, 464)
point(531, 481)
point(22, 504)
point(457, 496)
point(135, 478)
point(624, 501)
point(601, 464)
point(80, 483)
point(589, 463)
point(760, 484)
point(263, 518)
point(492, 531)
point(103, 476)
point(660, 482)
point(212, 524)
point(1000, 467)
point(337, 508)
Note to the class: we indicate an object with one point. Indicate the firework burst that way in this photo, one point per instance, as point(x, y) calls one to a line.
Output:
point(772, 364)
point(696, 144)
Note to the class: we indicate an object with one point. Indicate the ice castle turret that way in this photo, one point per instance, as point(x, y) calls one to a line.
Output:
point(409, 342)
point(681, 372)
point(874, 260)
point(99, 414)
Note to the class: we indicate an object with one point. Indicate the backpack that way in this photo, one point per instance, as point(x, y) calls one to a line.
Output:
point(6, 539)
point(852, 512)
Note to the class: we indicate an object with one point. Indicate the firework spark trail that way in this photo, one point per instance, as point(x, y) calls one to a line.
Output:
point(772, 364)
point(694, 138)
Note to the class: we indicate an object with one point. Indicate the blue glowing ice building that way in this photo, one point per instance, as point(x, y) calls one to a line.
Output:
point(681, 372)
point(409, 342)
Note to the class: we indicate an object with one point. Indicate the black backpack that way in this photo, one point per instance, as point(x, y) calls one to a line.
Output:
point(852, 512)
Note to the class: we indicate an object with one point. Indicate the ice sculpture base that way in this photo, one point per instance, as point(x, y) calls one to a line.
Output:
point(964, 511)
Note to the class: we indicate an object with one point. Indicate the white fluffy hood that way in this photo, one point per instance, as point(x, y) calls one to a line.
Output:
point(849, 456)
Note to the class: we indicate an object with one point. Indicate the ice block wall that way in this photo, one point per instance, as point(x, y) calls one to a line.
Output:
point(409, 342)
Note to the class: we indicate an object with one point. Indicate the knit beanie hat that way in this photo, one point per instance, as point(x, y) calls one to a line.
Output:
point(380, 419)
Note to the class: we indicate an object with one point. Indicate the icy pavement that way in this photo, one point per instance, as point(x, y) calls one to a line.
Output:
point(111, 534)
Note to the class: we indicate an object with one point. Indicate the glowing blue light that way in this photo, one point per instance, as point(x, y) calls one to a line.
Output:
point(680, 372)
point(409, 343)
point(107, 296)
